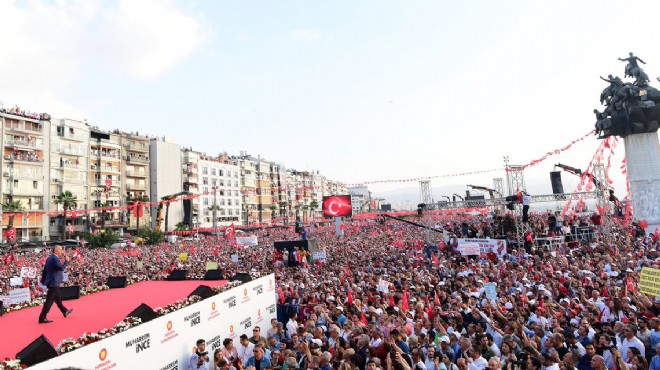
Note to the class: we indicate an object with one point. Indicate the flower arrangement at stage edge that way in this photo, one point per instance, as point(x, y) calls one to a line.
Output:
point(160, 311)
point(11, 365)
point(70, 344)
point(94, 289)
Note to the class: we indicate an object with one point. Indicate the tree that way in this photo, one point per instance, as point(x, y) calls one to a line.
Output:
point(139, 199)
point(104, 206)
point(105, 238)
point(151, 236)
point(272, 208)
point(180, 226)
point(12, 207)
point(297, 208)
point(283, 206)
point(68, 202)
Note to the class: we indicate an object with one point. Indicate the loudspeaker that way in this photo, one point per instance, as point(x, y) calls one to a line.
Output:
point(116, 282)
point(242, 277)
point(555, 181)
point(203, 291)
point(289, 245)
point(177, 275)
point(213, 275)
point(143, 312)
point(70, 292)
point(39, 350)
point(187, 211)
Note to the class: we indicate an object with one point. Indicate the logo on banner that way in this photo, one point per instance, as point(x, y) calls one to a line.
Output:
point(258, 289)
point(214, 313)
point(259, 317)
point(232, 335)
point(247, 323)
point(105, 363)
point(171, 333)
point(231, 302)
point(272, 308)
point(141, 343)
point(194, 319)
point(270, 285)
point(246, 297)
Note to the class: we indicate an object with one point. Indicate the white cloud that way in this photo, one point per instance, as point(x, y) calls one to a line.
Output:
point(305, 34)
point(47, 45)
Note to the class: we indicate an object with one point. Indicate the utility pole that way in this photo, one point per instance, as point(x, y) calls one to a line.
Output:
point(215, 210)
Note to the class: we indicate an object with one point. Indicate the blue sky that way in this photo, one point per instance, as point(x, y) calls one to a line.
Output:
point(360, 90)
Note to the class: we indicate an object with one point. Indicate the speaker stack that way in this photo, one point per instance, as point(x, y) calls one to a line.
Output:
point(143, 312)
point(38, 351)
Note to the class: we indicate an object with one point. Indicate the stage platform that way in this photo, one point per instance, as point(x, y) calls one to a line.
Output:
point(91, 313)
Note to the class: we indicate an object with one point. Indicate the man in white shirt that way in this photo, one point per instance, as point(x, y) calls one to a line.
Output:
point(630, 340)
point(245, 349)
point(475, 361)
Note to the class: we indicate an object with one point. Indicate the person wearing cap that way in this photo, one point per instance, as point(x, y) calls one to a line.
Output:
point(445, 348)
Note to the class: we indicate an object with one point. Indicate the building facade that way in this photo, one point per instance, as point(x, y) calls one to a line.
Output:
point(220, 192)
point(106, 191)
point(24, 164)
point(69, 171)
point(165, 174)
point(135, 175)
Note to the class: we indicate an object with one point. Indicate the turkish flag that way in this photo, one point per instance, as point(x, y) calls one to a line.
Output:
point(435, 260)
point(437, 300)
point(363, 320)
point(138, 209)
point(391, 301)
point(655, 235)
point(404, 305)
point(216, 251)
point(230, 231)
point(281, 294)
point(350, 296)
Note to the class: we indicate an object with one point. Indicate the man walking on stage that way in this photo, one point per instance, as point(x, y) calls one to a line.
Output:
point(52, 277)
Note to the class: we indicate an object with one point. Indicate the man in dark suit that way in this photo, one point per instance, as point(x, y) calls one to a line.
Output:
point(52, 277)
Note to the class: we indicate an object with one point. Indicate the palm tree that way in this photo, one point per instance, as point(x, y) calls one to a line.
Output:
point(139, 199)
point(305, 207)
point(297, 208)
point(68, 202)
point(180, 226)
point(312, 206)
point(214, 209)
point(12, 207)
point(272, 208)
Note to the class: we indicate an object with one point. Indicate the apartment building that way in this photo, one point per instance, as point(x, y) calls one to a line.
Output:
point(248, 175)
point(105, 157)
point(135, 175)
point(69, 171)
point(190, 175)
point(166, 176)
point(220, 186)
point(24, 166)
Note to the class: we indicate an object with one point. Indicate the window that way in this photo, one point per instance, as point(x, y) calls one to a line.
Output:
point(221, 173)
point(213, 171)
point(215, 182)
point(222, 183)
point(205, 190)
point(229, 212)
point(35, 185)
point(228, 202)
point(205, 180)
point(206, 201)
point(205, 170)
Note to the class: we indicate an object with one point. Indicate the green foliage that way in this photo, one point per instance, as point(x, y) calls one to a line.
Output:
point(104, 239)
point(151, 236)
point(180, 226)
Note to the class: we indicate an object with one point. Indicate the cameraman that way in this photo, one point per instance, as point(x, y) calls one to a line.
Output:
point(199, 359)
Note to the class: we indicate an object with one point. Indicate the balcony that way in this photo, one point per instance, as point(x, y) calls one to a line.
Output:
point(137, 160)
point(97, 182)
point(103, 168)
point(137, 147)
point(64, 180)
point(36, 175)
point(70, 166)
point(24, 143)
point(70, 136)
point(137, 173)
point(100, 194)
point(24, 191)
point(30, 159)
point(29, 128)
point(136, 186)
point(72, 151)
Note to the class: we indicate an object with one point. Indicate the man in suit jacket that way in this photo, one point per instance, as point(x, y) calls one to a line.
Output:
point(52, 277)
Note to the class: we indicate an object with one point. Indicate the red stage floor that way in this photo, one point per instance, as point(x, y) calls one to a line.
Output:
point(91, 313)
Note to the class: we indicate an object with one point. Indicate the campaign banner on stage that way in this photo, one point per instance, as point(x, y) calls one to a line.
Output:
point(168, 341)
point(247, 241)
point(28, 272)
point(19, 295)
point(496, 246)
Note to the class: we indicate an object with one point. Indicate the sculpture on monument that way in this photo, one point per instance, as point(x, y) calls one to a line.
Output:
point(630, 107)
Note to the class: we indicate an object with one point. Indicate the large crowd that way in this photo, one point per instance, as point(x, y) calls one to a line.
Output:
point(383, 299)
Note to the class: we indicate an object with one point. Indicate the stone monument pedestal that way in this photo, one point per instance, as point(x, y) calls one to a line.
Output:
point(643, 166)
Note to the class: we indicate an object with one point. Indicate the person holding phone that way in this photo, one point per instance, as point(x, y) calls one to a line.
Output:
point(52, 277)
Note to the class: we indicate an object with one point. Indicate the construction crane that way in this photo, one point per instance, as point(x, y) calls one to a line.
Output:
point(491, 192)
point(166, 200)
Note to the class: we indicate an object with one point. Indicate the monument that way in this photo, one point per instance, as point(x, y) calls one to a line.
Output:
point(632, 112)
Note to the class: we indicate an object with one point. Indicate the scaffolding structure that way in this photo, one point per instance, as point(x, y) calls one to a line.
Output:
point(425, 195)
point(600, 179)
